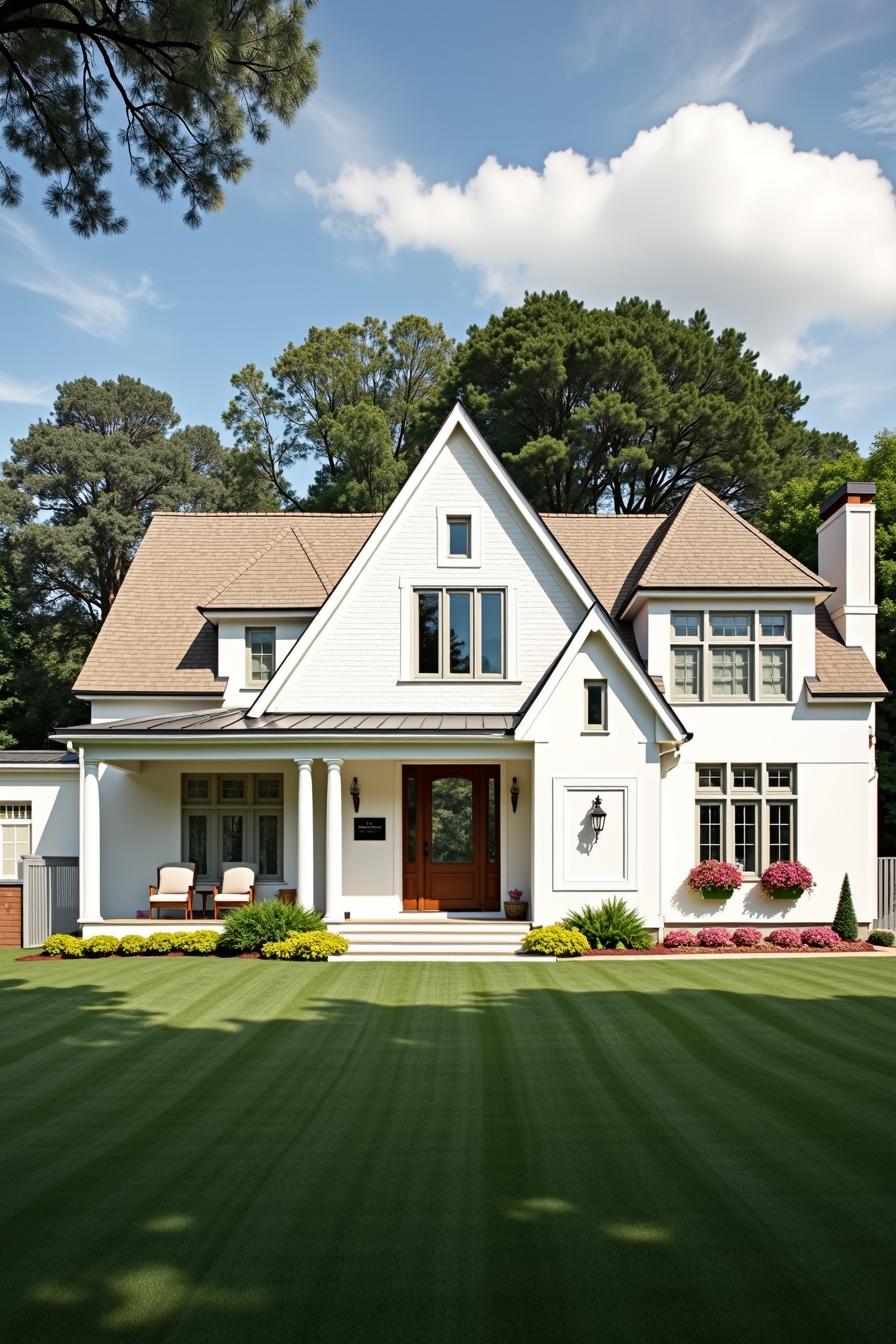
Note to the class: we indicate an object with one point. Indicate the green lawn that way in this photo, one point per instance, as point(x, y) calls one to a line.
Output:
point(234, 1150)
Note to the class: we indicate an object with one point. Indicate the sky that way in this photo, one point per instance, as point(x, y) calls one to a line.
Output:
point(738, 158)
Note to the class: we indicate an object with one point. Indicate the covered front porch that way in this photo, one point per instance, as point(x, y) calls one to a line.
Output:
point(359, 828)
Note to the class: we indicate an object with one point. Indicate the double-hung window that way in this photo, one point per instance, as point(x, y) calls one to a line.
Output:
point(746, 814)
point(15, 836)
point(460, 633)
point(260, 654)
point(730, 656)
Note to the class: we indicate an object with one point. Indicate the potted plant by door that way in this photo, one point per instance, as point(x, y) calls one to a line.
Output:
point(515, 907)
point(786, 881)
point(714, 880)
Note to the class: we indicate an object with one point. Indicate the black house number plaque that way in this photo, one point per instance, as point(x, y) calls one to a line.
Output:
point(370, 828)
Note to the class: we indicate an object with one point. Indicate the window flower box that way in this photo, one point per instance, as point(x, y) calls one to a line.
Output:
point(714, 880)
point(786, 881)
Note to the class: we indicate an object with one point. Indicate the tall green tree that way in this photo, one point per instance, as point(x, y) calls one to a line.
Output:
point(295, 415)
point(791, 518)
point(368, 474)
point(7, 648)
point(625, 409)
point(79, 488)
point(182, 82)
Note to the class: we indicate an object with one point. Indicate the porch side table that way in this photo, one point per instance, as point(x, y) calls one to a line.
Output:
point(288, 894)
point(204, 892)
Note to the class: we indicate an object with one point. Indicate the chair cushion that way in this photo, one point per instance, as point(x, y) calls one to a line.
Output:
point(170, 897)
point(174, 878)
point(236, 879)
point(232, 897)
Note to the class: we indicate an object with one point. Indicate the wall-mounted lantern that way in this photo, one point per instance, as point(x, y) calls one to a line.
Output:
point(355, 791)
point(514, 793)
point(598, 817)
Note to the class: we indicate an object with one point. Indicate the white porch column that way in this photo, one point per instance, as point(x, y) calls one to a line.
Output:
point(335, 910)
point(305, 835)
point(90, 842)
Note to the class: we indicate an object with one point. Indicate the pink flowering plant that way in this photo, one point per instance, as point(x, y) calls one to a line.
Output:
point(679, 938)
point(788, 879)
point(746, 937)
point(819, 937)
point(713, 937)
point(715, 879)
point(785, 938)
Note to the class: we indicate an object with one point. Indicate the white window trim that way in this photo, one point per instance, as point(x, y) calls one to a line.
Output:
point(246, 807)
point(443, 559)
point(13, 873)
point(763, 796)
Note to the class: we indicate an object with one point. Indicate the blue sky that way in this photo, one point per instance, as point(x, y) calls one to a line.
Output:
point(687, 176)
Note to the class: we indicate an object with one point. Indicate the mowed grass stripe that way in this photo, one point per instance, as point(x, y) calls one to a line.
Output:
point(445, 1152)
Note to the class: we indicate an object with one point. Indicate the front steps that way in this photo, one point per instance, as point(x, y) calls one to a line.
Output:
point(432, 937)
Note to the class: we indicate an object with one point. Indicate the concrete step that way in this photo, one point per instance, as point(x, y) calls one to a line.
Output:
point(432, 937)
point(439, 955)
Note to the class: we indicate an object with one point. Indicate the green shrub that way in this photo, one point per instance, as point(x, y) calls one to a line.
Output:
point(612, 924)
point(845, 922)
point(132, 945)
point(199, 942)
point(103, 945)
point(314, 945)
point(882, 937)
point(249, 927)
point(161, 943)
point(555, 940)
point(63, 945)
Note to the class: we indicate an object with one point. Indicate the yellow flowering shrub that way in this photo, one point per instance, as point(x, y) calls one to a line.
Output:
point(552, 940)
point(63, 945)
point(315, 945)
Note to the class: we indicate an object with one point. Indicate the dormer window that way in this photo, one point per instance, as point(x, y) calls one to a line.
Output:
point(733, 656)
point(459, 537)
point(260, 655)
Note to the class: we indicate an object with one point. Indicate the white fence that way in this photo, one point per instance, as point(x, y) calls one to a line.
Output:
point(886, 894)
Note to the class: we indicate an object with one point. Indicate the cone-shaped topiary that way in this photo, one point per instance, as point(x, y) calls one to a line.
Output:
point(845, 922)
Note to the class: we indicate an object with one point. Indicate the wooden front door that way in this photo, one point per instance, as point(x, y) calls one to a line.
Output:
point(451, 837)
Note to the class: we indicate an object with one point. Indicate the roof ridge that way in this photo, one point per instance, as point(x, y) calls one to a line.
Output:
point(248, 564)
point(314, 560)
point(758, 533)
point(256, 513)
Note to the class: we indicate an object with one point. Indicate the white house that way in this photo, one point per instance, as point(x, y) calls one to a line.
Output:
point(416, 712)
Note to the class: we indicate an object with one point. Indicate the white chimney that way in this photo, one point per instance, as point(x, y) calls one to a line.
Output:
point(846, 559)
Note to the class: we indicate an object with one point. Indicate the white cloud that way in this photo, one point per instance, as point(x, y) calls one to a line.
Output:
point(707, 210)
point(95, 304)
point(24, 392)
point(874, 109)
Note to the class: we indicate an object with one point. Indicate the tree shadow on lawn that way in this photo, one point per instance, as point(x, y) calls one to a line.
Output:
point(535, 1155)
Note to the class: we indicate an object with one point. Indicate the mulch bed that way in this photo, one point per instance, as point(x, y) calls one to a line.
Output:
point(658, 950)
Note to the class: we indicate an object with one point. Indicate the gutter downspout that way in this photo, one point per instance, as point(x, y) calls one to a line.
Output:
point(666, 749)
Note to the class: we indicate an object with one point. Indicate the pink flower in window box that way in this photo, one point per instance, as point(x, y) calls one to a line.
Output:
point(715, 880)
point(787, 881)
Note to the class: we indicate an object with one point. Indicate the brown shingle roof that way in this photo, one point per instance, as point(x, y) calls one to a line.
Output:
point(840, 669)
point(705, 544)
point(156, 640)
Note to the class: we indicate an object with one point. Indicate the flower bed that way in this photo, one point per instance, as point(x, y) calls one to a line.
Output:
point(731, 949)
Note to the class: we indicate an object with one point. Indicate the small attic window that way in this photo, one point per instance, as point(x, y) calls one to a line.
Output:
point(459, 537)
point(260, 645)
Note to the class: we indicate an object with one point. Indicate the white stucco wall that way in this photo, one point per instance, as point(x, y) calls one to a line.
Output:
point(357, 663)
point(232, 650)
point(53, 795)
point(106, 709)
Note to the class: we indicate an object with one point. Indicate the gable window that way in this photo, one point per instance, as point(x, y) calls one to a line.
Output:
point(15, 836)
point(233, 819)
point(730, 655)
point(459, 537)
point(260, 655)
point(740, 821)
point(595, 706)
point(460, 633)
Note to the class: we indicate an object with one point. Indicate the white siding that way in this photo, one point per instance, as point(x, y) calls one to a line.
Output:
point(53, 795)
point(356, 664)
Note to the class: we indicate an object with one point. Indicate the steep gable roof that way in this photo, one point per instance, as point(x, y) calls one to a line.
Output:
point(457, 419)
point(704, 544)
